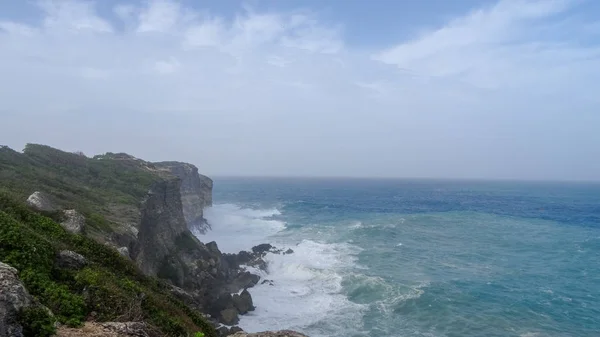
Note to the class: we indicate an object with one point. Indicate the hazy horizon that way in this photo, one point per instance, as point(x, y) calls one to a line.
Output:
point(471, 89)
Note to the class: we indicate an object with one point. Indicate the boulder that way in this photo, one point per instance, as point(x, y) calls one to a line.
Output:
point(124, 251)
point(74, 221)
point(70, 260)
point(229, 316)
point(289, 251)
point(243, 280)
point(13, 298)
point(235, 329)
point(40, 201)
point(223, 331)
point(269, 282)
point(262, 248)
point(243, 302)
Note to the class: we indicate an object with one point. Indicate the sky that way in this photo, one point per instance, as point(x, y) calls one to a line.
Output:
point(505, 89)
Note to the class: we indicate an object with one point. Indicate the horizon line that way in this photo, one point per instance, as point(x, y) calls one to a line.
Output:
point(292, 177)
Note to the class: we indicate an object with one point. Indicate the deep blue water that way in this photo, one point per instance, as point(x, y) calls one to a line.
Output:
point(418, 258)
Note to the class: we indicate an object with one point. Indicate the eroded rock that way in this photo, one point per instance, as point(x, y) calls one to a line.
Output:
point(124, 251)
point(74, 221)
point(243, 302)
point(70, 260)
point(40, 201)
point(229, 316)
point(13, 298)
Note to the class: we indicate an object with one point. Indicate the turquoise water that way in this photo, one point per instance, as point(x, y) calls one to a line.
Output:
point(418, 258)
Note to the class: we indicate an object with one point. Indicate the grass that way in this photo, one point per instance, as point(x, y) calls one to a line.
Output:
point(90, 185)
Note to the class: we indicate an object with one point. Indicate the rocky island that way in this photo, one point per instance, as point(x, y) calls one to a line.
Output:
point(105, 246)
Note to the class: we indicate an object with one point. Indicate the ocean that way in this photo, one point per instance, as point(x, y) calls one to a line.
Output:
point(377, 257)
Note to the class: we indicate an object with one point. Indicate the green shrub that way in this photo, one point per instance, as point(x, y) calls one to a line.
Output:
point(110, 286)
point(37, 321)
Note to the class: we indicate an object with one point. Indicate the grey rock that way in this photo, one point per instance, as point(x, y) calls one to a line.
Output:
point(243, 302)
point(229, 316)
point(262, 248)
point(269, 282)
point(70, 260)
point(13, 298)
point(196, 193)
point(235, 329)
point(124, 251)
point(289, 251)
point(74, 221)
point(223, 331)
point(40, 201)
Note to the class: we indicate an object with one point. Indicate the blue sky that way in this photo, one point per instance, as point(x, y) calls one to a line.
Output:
point(447, 89)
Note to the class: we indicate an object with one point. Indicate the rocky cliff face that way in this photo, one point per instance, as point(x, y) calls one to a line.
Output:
point(161, 223)
point(166, 248)
point(196, 193)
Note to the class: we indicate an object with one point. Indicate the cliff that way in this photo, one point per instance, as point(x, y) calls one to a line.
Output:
point(196, 193)
point(143, 211)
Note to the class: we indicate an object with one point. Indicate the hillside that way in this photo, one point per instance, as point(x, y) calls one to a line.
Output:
point(108, 238)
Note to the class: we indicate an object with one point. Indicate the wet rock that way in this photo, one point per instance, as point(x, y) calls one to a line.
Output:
point(243, 280)
point(40, 201)
point(70, 260)
point(235, 329)
point(269, 282)
point(74, 221)
point(229, 316)
point(243, 302)
point(223, 331)
point(262, 248)
point(289, 251)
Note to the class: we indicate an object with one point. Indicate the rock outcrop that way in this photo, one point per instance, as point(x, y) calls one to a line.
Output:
point(13, 298)
point(161, 224)
point(40, 201)
point(196, 193)
point(70, 260)
point(74, 221)
point(166, 248)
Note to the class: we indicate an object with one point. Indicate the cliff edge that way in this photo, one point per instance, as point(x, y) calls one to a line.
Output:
point(143, 212)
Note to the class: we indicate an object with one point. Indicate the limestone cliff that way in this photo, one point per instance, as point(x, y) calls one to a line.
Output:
point(144, 210)
point(161, 223)
point(196, 193)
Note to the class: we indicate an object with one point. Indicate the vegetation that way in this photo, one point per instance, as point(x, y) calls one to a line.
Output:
point(109, 288)
point(104, 188)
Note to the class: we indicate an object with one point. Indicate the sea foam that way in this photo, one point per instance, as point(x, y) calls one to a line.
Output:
point(306, 291)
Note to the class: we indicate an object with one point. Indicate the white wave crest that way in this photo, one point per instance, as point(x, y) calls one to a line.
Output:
point(307, 286)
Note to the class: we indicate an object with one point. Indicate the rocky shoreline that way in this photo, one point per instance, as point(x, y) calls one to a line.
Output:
point(154, 230)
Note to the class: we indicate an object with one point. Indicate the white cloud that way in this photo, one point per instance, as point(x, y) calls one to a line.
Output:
point(124, 11)
point(160, 16)
point(283, 92)
point(73, 15)
point(502, 45)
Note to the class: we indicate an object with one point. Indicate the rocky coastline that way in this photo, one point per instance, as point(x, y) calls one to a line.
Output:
point(158, 236)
